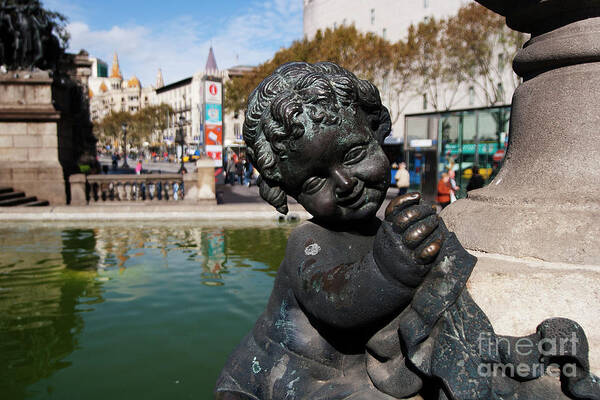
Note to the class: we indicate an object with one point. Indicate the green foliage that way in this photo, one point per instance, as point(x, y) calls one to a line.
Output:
point(436, 58)
point(478, 47)
point(363, 54)
point(140, 125)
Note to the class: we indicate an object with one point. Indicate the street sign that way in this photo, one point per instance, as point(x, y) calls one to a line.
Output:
point(212, 92)
point(499, 155)
point(421, 143)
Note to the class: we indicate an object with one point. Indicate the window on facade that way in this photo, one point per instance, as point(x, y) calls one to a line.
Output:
point(471, 95)
point(384, 33)
point(501, 62)
point(425, 3)
point(372, 16)
point(425, 101)
point(237, 131)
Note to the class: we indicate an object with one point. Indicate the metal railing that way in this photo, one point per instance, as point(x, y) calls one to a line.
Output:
point(127, 188)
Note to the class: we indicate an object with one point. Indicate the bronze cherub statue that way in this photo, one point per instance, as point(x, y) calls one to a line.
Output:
point(370, 309)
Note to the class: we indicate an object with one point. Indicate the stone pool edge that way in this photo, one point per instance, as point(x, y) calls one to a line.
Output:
point(151, 212)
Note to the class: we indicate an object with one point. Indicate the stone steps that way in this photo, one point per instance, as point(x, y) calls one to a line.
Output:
point(11, 195)
point(10, 198)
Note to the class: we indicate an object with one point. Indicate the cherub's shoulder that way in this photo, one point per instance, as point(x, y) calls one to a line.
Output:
point(307, 236)
point(307, 230)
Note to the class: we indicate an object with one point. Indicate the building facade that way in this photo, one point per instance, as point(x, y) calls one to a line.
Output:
point(197, 102)
point(109, 91)
point(387, 18)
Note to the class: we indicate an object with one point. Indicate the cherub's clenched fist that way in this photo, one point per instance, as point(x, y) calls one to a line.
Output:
point(415, 236)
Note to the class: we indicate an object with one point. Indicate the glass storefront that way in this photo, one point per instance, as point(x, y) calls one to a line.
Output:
point(455, 141)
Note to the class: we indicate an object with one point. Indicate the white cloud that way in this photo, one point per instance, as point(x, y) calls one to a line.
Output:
point(180, 46)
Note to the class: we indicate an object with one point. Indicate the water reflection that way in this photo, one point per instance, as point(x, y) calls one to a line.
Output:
point(52, 280)
point(39, 297)
point(210, 247)
point(79, 249)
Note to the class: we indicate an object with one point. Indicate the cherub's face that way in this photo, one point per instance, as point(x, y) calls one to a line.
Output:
point(337, 172)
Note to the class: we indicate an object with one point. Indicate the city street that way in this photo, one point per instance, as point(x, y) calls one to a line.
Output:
point(149, 166)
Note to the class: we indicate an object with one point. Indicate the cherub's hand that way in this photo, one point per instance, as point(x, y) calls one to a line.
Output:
point(419, 252)
point(415, 223)
point(417, 235)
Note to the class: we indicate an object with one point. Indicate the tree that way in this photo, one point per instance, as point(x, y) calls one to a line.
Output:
point(140, 125)
point(438, 58)
point(110, 127)
point(367, 55)
point(479, 47)
point(437, 80)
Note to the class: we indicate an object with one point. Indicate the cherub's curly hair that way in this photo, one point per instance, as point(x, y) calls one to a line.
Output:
point(320, 90)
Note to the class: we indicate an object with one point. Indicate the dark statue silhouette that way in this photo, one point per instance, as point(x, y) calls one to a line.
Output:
point(30, 36)
point(370, 309)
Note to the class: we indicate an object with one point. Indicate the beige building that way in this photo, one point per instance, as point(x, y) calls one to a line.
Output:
point(187, 97)
point(387, 18)
point(109, 91)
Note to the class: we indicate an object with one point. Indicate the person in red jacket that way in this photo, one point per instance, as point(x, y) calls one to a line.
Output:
point(443, 189)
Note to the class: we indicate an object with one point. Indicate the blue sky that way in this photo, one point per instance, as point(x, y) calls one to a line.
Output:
point(175, 35)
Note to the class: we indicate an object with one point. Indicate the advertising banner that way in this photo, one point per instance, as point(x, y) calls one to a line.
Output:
point(214, 134)
point(216, 153)
point(212, 92)
point(213, 114)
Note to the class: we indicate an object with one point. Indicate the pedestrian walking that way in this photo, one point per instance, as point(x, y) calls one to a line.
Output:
point(402, 179)
point(476, 181)
point(443, 190)
point(453, 186)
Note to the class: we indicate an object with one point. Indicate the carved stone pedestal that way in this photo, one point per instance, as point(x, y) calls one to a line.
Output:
point(28, 136)
point(200, 185)
point(543, 208)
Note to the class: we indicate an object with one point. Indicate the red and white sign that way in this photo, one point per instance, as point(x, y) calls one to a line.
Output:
point(498, 156)
point(216, 153)
point(212, 92)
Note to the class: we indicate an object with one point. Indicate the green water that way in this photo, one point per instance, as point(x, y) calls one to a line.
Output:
point(128, 311)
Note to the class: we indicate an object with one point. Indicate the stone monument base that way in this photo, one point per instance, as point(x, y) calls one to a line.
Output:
point(538, 290)
point(29, 136)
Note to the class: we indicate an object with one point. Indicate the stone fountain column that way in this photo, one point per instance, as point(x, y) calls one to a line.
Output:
point(29, 148)
point(536, 227)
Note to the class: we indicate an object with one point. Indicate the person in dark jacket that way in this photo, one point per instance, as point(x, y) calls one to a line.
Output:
point(476, 181)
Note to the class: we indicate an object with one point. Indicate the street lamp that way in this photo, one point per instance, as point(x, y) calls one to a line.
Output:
point(180, 140)
point(124, 129)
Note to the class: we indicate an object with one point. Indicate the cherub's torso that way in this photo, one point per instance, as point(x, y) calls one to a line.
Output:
point(312, 250)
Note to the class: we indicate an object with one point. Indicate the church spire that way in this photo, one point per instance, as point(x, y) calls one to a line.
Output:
point(159, 79)
point(115, 71)
point(211, 62)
